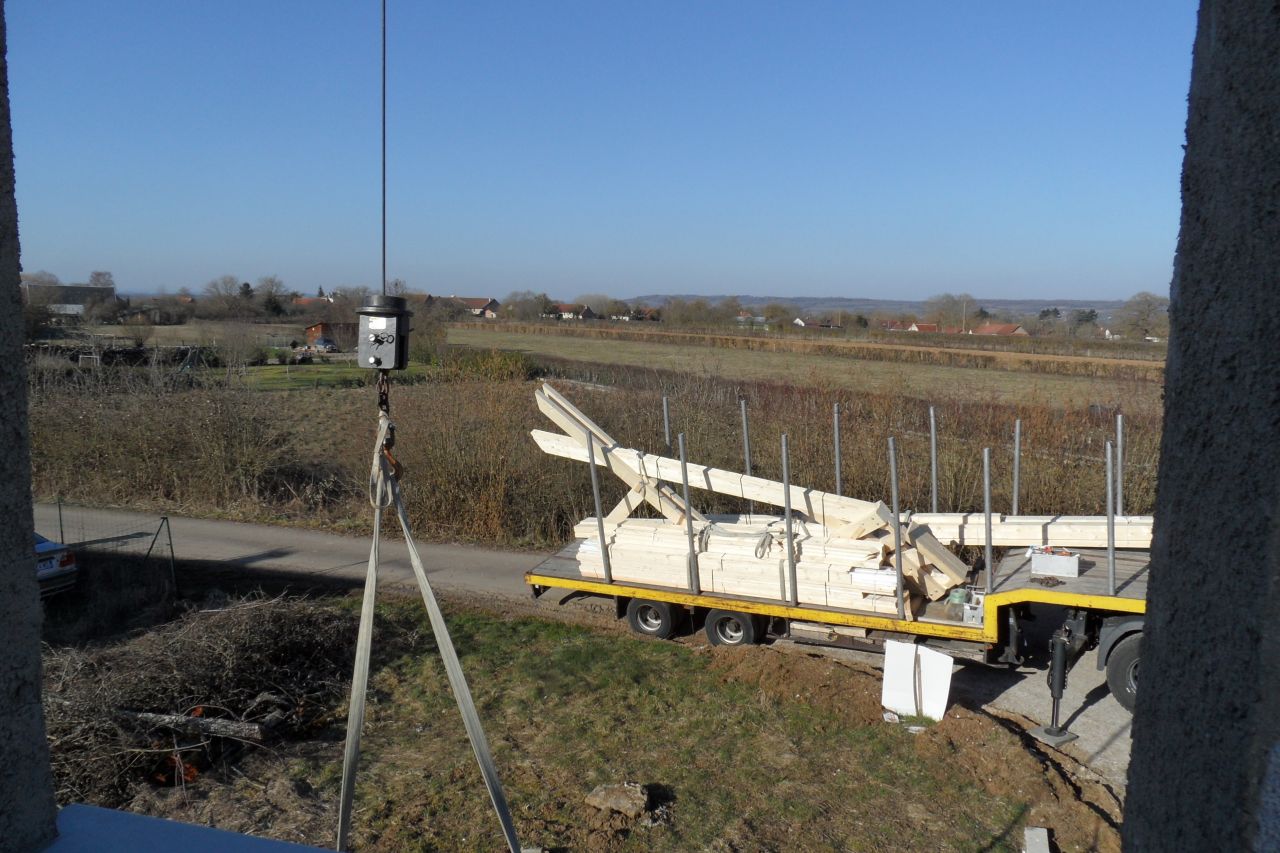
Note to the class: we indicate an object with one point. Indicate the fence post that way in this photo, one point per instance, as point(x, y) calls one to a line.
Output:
point(666, 422)
point(835, 432)
point(1017, 461)
point(1119, 464)
point(933, 458)
point(695, 582)
point(897, 526)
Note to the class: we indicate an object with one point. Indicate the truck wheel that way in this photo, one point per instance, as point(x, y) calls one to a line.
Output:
point(1122, 670)
point(726, 628)
point(652, 618)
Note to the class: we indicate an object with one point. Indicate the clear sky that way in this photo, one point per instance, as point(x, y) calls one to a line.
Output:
point(861, 149)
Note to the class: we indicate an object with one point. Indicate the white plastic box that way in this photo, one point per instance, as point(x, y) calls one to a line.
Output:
point(1055, 565)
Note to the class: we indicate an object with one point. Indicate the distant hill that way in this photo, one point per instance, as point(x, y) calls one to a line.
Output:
point(867, 307)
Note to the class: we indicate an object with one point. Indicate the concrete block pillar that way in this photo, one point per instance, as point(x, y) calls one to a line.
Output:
point(1205, 772)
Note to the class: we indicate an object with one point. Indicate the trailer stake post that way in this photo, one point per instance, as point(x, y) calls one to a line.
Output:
point(695, 585)
point(786, 512)
point(746, 450)
point(897, 527)
point(933, 459)
point(987, 554)
point(1111, 526)
point(835, 432)
point(1017, 461)
point(595, 494)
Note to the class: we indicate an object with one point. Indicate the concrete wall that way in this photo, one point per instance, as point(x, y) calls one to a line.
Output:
point(1208, 712)
point(26, 788)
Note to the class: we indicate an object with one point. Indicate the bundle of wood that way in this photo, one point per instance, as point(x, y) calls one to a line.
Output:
point(748, 557)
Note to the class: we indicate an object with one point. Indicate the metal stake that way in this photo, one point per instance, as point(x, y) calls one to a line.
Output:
point(897, 526)
point(786, 513)
point(62, 534)
point(695, 585)
point(835, 432)
point(1017, 461)
point(666, 423)
point(933, 458)
point(595, 493)
point(746, 449)
point(986, 508)
point(1111, 527)
point(1119, 464)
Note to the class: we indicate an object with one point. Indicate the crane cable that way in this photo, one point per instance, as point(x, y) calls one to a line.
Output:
point(384, 492)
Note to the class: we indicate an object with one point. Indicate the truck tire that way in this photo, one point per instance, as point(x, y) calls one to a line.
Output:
point(1122, 670)
point(726, 628)
point(658, 619)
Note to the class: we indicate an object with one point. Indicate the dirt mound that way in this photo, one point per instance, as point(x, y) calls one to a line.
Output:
point(849, 692)
point(1082, 812)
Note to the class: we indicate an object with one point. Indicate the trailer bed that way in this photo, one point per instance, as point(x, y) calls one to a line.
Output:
point(1013, 584)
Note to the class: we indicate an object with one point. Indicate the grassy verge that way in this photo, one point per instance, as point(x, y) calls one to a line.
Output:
point(740, 749)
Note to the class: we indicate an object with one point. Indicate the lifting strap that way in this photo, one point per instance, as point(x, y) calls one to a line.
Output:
point(384, 492)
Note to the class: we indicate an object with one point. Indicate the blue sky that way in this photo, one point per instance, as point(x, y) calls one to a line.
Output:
point(898, 150)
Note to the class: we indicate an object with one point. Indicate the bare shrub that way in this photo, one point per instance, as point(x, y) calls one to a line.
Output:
point(284, 659)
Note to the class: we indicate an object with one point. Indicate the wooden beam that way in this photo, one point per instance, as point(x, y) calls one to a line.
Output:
point(1068, 531)
point(821, 507)
point(576, 426)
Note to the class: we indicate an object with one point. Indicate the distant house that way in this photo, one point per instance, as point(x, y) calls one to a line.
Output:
point(69, 300)
point(312, 301)
point(931, 328)
point(746, 318)
point(1002, 329)
point(895, 326)
point(479, 306)
point(813, 323)
point(568, 311)
point(652, 315)
point(954, 330)
point(341, 334)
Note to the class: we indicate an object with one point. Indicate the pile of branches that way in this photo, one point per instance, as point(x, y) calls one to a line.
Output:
point(163, 707)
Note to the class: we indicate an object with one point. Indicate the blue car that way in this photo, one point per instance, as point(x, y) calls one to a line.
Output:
point(55, 566)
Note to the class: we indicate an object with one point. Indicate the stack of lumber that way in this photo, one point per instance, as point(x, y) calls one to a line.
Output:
point(749, 558)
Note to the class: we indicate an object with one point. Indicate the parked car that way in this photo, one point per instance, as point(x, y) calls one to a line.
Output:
point(56, 567)
point(326, 345)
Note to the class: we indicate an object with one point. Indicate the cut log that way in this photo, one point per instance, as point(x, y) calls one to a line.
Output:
point(213, 726)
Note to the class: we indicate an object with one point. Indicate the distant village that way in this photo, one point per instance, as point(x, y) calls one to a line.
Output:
point(49, 303)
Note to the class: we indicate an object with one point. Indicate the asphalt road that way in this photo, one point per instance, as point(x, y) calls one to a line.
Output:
point(1088, 709)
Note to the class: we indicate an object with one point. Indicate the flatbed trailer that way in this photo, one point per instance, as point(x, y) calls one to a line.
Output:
point(988, 628)
point(1102, 600)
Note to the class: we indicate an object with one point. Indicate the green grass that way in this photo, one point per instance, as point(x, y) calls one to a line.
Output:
point(337, 374)
point(914, 380)
point(568, 708)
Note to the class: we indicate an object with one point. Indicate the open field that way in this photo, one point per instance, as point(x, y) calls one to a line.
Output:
point(202, 332)
point(1066, 356)
point(919, 381)
point(743, 749)
point(474, 475)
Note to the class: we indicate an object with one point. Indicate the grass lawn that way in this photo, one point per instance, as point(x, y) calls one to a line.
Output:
point(294, 377)
point(749, 748)
point(920, 381)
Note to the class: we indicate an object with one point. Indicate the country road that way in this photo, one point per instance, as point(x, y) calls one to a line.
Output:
point(319, 557)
